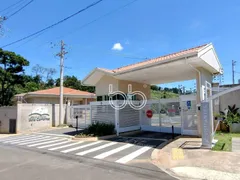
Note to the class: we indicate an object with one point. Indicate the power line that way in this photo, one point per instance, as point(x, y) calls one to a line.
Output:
point(55, 24)
point(84, 25)
point(11, 6)
point(100, 17)
point(14, 8)
point(19, 9)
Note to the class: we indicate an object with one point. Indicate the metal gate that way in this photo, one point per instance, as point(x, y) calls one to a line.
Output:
point(166, 113)
point(179, 113)
point(83, 112)
point(189, 115)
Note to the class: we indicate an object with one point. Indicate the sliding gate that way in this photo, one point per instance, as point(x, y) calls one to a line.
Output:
point(165, 114)
point(177, 113)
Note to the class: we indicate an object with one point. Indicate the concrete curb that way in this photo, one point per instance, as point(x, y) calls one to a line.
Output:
point(154, 157)
point(57, 135)
point(94, 138)
point(107, 137)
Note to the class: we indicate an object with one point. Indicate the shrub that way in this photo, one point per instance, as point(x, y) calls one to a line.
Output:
point(232, 115)
point(100, 129)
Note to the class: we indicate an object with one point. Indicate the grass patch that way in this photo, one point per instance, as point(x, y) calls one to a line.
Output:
point(162, 94)
point(97, 129)
point(224, 141)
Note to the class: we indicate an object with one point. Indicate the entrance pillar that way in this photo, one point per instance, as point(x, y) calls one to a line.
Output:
point(201, 77)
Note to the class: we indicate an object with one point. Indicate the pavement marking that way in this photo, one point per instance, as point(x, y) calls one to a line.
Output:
point(22, 140)
point(47, 142)
point(81, 147)
point(177, 154)
point(96, 148)
point(50, 145)
point(106, 154)
point(19, 139)
point(133, 155)
point(29, 140)
point(52, 134)
point(68, 145)
point(35, 141)
point(15, 138)
point(144, 138)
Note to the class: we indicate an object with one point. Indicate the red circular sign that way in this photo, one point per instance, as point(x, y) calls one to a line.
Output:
point(149, 113)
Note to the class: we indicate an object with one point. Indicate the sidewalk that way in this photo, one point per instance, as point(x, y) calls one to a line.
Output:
point(184, 159)
point(35, 131)
point(6, 135)
point(236, 145)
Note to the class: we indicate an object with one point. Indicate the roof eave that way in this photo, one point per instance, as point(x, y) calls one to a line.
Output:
point(92, 73)
point(56, 95)
point(158, 63)
point(210, 45)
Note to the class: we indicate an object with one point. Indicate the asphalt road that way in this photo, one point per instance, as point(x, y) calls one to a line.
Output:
point(23, 164)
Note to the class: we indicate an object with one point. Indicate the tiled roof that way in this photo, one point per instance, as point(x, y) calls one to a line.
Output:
point(56, 91)
point(154, 60)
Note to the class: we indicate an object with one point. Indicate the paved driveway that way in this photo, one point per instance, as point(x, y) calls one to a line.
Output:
point(25, 164)
point(63, 131)
point(133, 151)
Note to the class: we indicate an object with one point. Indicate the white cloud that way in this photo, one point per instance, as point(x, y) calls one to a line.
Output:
point(117, 47)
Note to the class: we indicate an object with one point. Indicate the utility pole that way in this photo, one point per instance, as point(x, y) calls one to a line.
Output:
point(233, 71)
point(61, 55)
point(2, 19)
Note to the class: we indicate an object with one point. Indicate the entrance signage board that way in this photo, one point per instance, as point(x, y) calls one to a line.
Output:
point(39, 114)
point(206, 125)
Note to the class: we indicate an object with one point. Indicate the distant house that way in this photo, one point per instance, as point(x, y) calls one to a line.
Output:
point(51, 96)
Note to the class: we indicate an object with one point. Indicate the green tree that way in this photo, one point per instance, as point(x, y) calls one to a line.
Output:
point(70, 81)
point(154, 87)
point(50, 83)
point(11, 74)
point(75, 83)
point(175, 90)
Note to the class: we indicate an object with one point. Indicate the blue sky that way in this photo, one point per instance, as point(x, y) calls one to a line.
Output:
point(145, 29)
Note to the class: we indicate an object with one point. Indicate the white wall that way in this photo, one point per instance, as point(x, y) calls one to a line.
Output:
point(229, 99)
point(7, 113)
point(26, 121)
point(102, 87)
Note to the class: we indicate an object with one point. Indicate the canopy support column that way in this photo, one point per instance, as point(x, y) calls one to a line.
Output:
point(201, 77)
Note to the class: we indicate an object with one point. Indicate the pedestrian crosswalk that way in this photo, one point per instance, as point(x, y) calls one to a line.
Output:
point(118, 152)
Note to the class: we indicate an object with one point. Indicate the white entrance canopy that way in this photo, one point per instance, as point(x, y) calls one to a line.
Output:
point(174, 67)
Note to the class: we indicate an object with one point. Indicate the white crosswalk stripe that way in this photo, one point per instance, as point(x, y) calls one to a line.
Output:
point(108, 153)
point(133, 155)
point(50, 145)
point(29, 140)
point(96, 148)
point(68, 145)
point(46, 142)
point(14, 138)
point(116, 151)
point(20, 139)
point(81, 147)
point(36, 141)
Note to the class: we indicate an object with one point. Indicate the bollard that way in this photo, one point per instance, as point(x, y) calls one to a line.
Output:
point(172, 132)
point(76, 123)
